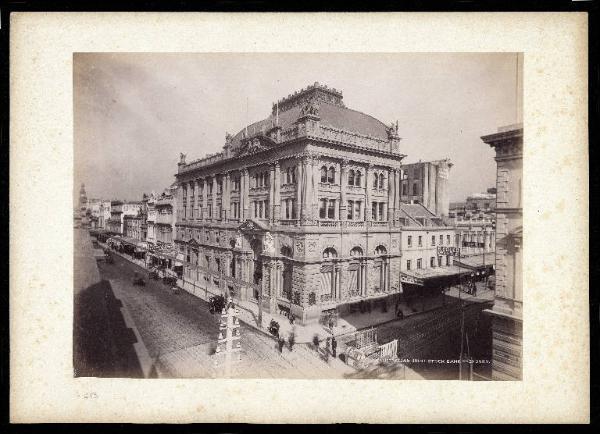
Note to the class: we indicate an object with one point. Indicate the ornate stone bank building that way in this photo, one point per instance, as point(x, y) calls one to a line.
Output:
point(300, 210)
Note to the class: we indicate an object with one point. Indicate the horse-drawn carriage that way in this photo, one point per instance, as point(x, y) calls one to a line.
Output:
point(138, 280)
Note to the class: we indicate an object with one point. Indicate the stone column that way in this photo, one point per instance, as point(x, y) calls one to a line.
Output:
point(197, 199)
point(214, 197)
point(179, 202)
point(244, 196)
point(190, 186)
point(313, 198)
point(226, 200)
point(397, 190)
point(368, 187)
point(338, 283)
point(271, 207)
point(276, 204)
point(343, 186)
point(391, 194)
point(204, 199)
point(306, 187)
point(299, 177)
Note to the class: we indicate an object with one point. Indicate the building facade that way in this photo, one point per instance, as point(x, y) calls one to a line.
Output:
point(166, 216)
point(422, 267)
point(151, 219)
point(118, 210)
point(508, 302)
point(299, 211)
point(104, 215)
point(132, 226)
point(426, 183)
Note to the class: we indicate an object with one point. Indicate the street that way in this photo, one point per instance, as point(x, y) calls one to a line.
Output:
point(180, 334)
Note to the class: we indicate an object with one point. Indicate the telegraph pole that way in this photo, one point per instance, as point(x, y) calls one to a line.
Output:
point(229, 337)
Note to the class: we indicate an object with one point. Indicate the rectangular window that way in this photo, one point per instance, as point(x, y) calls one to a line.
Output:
point(374, 211)
point(432, 262)
point(323, 208)
point(409, 241)
point(381, 212)
point(419, 263)
point(433, 240)
point(439, 261)
point(448, 239)
point(331, 209)
point(350, 210)
point(420, 241)
point(358, 210)
point(441, 240)
point(404, 189)
point(448, 260)
point(294, 212)
point(408, 265)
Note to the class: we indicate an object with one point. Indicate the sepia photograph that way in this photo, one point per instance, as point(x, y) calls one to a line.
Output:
point(280, 216)
point(262, 217)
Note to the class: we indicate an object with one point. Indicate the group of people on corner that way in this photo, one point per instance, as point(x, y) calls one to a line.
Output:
point(330, 346)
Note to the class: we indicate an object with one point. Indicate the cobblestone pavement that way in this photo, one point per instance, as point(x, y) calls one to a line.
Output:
point(180, 334)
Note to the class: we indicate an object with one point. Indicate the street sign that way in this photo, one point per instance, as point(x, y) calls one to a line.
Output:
point(448, 251)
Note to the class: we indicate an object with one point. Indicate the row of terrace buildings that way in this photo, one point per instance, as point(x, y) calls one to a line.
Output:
point(312, 210)
point(143, 228)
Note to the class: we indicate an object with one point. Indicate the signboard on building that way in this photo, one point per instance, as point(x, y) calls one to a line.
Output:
point(448, 251)
point(473, 244)
point(405, 278)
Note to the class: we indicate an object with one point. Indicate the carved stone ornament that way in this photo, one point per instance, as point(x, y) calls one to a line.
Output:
point(311, 246)
point(300, 247)
point(310, 109)
point(181, 158)
point(238, 240)
point(268, 244)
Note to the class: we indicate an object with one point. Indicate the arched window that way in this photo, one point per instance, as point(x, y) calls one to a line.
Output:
point(329, 253)
point(351, 177)
point(356, 252)
point(323, 174)
point(415, 189)
point(357, 179)
point(293, 171)
point(375, 180)
point(286, 251)
point(331, 175)
point(380, 250)
point(381, 180)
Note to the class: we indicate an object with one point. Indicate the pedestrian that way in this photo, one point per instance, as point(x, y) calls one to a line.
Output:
point(334, 347)
point(292, 318)
point(474, 290)
point(400, 314)
point(331, 324)
point(280, 343)
point(316, 342)
point(326, 352)
point(291, 341)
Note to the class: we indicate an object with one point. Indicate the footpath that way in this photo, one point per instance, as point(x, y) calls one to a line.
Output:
point(105, 340)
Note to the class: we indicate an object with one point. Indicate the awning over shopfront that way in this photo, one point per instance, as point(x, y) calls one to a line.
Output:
point(476, 262)
point(424, 275)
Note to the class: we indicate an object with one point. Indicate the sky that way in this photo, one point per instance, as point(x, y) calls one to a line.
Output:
point(135, 112)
